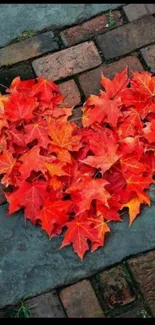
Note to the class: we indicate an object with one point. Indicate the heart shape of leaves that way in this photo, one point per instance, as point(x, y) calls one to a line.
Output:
point(79, 178)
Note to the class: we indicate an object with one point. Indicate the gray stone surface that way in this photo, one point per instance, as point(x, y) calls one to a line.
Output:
point(17, 18)
point(31, 264)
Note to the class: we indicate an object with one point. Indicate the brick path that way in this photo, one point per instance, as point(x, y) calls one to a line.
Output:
point(74, 58)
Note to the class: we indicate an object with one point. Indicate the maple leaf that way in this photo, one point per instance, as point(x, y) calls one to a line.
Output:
point(149, 131)
point(78, 232)
point(137, 183)
point(20, 108)
point(46, 91)
point(31, 160)
point(28, 195)
point(149, 161)
point(130, 163)
point(102, 228)
point(54, 213)
point(3, 144)
point(21, 86)
point(134, 205)
point(144, 83)
point(63, 135)
point(33, 199)
point(104, 147)
point(99, 108)
point(3, 100)
point(7, 162)
point(37, 131)
point(115, 86)
point(16, 136)
point(131, 124)
point(56, 168)
point(62, 154)
point(87, 189)
point(109, 214)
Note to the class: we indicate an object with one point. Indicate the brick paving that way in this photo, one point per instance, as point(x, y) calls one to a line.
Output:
point(75, 57)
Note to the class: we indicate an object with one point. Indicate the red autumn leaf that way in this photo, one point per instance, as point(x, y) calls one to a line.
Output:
point(134, 205)
point(7, 162)
point(54, 214)
point(78, 232)
point(149, 131)
point(22, 86)
point(87, 189)
point(37, 131)
point(33, 199)
point(31, 160)
point(24, 108)
point(109, 214)
point(137, 183)
point(130, 163)
point(101, 108)
point(102, 228)
point(115, 86)
point(56, 168)
point(63, 135)
point(131, 125)
point(46, 91)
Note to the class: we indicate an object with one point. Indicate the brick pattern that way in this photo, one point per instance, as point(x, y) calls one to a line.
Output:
point(72, 95)
point(68, 62)
point(45, 306)
point(28, 49)
point(90, 28)
point(76, 116)
point(135, 11)
point(143, 270)
point(79, 301)
point(127, 38)
point(148, 54)
point(90, 81)
point(114, 289)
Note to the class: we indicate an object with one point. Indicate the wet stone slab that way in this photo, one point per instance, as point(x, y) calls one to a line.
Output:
point(17, 18)
point(31, 264)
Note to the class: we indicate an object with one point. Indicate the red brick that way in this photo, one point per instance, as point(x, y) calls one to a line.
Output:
point(72, 95)
point(90, 81)
point(127, 38)
point(143, 270)
point(76, 116)
point(46, 305)
point(68, 62)
point(90, 28)
point(114, 288)
point(2, 196)
point(79, 301)
point(148, 54)
point(135, 11)
point(28, 49)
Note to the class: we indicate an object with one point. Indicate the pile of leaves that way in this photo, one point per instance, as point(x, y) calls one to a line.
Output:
point(78, 179)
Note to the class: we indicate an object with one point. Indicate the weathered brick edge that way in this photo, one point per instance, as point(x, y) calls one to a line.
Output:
point(125, 290)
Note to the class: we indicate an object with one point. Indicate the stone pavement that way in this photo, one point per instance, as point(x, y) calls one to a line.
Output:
point(117, 280)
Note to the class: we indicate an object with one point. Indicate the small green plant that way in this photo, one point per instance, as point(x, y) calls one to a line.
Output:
point(143, 313)
point(26, 34)
point(111, 20)
point(20, 310)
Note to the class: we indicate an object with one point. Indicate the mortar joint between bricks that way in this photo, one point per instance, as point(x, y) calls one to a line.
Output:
point(138, 290)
